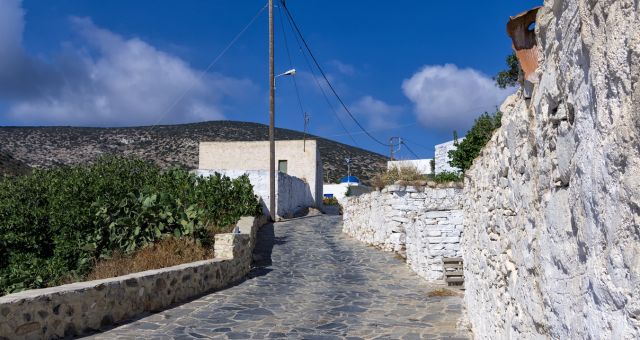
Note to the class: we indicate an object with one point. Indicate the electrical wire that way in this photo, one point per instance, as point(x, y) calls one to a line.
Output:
point(297, 29)
point(408, 148)
point(286, 45)
point(420, 145)
point(211, 64)
point(315, 77)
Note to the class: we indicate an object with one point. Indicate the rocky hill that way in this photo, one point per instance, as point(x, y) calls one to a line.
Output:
point(9, 166)
point(167, 145)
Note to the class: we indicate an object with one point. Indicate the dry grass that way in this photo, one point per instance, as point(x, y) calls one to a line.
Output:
point(166, 253)
point(406, 174)
point(442, 292)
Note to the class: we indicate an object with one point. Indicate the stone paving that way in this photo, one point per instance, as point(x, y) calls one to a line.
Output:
point(310, 282)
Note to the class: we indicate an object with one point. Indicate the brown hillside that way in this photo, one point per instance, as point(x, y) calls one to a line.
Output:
point(167, 145)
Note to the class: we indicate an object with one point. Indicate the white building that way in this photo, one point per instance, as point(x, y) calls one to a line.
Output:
point(299, 179)
point(339, 190)
point(442, 156)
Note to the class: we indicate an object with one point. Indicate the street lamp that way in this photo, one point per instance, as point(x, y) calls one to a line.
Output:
point(348, 161)
point(272, 114)
point(291, 72)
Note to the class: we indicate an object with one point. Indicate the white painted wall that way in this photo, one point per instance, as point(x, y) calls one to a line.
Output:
point(442, 156)
point(423, 165)
point(293, 195)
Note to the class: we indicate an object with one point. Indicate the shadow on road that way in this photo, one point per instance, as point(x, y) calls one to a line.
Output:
point(266, 239)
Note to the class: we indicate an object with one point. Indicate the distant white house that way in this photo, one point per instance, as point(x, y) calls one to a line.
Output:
point(339, 190)
point(423, 165)
point(442, 156)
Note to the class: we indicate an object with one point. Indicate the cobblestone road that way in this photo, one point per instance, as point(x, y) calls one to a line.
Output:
point(312, 282)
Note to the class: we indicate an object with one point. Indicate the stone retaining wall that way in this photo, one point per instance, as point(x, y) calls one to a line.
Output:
point(421, 224)
point(552, 221)
point(84, 307)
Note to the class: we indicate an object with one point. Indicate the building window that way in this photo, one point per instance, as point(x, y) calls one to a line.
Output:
point(282, 166)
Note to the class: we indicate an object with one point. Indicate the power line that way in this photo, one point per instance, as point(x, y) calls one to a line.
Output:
point(376, 130)
point(420, 145)
point(408, 148)
point(295, 83)
point(315, 77)
point(326, 79)
point(211, 64)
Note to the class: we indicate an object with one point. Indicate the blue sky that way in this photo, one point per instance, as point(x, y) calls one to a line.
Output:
point(415, 69)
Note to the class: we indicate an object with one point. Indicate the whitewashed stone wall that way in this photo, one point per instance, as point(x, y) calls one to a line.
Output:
point(551, 244)
point(421, 224)
point(442, 157)
point(293, 196)
point(84, 307)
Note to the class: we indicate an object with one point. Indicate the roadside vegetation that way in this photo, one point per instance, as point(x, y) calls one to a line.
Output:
point(410, 175)
point(330, 201)
point(477, 137)
point(57, 225)
point(511, 76)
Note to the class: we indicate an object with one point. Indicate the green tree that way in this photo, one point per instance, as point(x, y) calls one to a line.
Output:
point(477, 137)
point(508, 77)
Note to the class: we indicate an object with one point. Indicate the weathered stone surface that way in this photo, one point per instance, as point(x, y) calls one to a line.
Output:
point(82, 307)
point(313, 282)
point(416, 227)
point(551, 243)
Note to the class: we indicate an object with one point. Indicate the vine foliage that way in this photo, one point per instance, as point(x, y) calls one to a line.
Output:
point(469, 148)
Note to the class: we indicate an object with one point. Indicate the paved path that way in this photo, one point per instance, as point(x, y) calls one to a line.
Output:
point(313, 282)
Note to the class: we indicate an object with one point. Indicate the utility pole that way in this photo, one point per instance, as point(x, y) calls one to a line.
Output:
point(391, 150)
point(348, 161)
point(272, 113)
point(391, 146)
point(306, 123)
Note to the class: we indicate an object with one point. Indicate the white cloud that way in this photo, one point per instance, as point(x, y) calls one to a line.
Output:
point(343, 68)
point(112, 81)
point(378, 113)
point(447, 97)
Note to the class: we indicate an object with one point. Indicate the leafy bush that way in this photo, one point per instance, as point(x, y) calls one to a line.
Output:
point(469, 148)
point(510, 76)
point(55, 224)
point(330, 201)
point(446, 176)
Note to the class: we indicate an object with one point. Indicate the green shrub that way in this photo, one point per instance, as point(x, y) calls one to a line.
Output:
point(330, 201)
point(469, 148)
point(510, 76)
point(55, 224)
point(446, 176)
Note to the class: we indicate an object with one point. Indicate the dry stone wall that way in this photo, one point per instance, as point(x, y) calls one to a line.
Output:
point(84, 307)
point(421, 224)
point(552, 233)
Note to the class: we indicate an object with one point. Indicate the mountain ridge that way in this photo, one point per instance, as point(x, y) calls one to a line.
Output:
point(24, 147)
